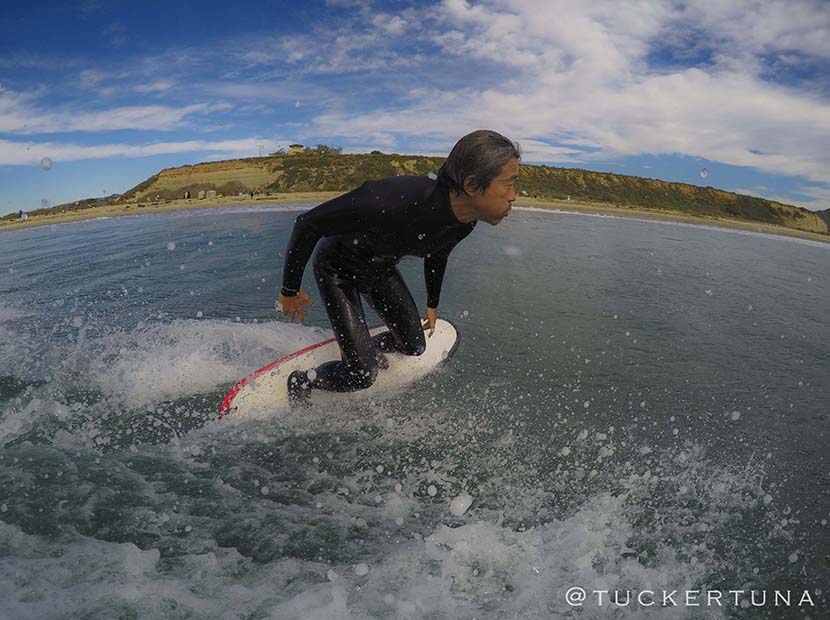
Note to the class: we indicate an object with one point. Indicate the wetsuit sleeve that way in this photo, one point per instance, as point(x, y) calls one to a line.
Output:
point(350, 212)
point(436, 264)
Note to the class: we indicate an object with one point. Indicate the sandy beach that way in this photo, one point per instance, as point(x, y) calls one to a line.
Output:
point(318, 197)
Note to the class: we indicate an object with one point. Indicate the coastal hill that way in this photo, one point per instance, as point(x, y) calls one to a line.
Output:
point(327, 169)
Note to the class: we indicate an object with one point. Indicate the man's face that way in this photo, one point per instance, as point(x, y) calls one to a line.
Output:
point(493, 205)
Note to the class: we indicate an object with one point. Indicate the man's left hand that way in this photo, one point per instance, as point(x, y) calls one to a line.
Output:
point(429, 322)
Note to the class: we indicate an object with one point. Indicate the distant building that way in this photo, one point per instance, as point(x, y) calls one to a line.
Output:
point(293, 149)
point(211, 193)
point(201, 194)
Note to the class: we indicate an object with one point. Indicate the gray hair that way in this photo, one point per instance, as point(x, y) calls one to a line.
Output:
point(478, 156)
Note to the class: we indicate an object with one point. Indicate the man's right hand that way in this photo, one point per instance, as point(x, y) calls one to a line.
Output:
point(293, 306)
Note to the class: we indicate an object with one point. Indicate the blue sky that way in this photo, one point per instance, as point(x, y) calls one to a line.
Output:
point(113, 91)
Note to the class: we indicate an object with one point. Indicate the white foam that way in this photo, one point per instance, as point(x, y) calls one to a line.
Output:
point(186, 357)
point(479, 570)
point(10, 313)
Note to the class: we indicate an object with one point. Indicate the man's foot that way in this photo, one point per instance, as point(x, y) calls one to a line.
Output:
point(299, 388)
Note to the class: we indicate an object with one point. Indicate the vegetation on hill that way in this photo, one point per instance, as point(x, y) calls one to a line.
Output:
point(324, 168)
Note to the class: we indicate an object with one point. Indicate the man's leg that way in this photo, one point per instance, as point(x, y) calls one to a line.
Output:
point(358, 366)
point(393, 303)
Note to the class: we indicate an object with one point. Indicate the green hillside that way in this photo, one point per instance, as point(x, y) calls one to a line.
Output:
point(327, 169)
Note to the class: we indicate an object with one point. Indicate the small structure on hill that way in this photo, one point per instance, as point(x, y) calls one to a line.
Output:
point(211, 193)
point(201, 194)
point(293, 149)
point(23, 215)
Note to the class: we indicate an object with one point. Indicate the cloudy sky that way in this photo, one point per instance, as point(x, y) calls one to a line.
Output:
point(112, 91)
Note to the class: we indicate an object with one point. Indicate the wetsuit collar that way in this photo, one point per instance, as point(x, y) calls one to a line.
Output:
point(441, 200)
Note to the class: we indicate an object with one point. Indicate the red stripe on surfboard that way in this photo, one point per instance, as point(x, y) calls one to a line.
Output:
point(227, 402)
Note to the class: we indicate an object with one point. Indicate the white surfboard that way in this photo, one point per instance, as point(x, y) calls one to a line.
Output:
point(265, 392)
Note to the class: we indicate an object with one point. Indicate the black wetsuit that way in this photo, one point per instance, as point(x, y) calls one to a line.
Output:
point(365, 234)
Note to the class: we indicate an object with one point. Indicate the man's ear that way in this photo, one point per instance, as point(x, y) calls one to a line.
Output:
point(469, 186)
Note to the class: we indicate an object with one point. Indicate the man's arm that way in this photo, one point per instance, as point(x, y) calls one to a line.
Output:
point(351, 212)
point(436, 264)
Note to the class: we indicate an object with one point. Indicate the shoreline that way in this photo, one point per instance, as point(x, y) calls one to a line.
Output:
point(318, 197)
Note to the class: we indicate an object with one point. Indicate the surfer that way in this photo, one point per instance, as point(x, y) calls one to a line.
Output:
point(367, 231)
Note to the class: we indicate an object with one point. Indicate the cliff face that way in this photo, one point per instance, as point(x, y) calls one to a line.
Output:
point(325, 169)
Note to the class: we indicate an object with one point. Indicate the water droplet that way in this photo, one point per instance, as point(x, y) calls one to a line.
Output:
point(298, 103)
point(379, 469)
point(311, 374)
point(512, 250)
point(736, 415)
point(460, 504)
point(361, 569)
point(704, 172)
point(432, 176)
point(432, 490)
point(44, 203)
point(171, 246)
point(199, 314)
point(421, 236)
point(46, 163)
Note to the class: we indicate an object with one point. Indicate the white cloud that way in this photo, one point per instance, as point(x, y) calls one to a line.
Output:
point(158, 86)
point(574, 81)
point(30, 153)
point(20, 115)
point(392, 25)
point(581, 74)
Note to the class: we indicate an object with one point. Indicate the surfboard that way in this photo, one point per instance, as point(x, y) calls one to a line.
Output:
point(265, 392)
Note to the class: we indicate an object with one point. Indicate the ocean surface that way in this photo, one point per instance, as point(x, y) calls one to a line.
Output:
point(635, 405)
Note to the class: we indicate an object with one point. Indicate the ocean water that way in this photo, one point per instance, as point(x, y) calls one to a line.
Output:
point(635, 406)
